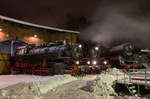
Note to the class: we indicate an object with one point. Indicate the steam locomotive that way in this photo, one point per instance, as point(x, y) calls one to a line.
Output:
point(120, 56)
point(91, 62)
point(100, 58)
point(46, 59)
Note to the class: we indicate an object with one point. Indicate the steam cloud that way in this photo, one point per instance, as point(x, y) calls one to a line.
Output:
point(118, 21)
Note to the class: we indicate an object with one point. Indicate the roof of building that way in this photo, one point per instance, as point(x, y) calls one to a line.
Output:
point(35, 25)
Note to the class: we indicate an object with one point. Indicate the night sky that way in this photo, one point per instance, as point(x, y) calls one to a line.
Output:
point(47, 12)
point(104, 20)
point(54, 12)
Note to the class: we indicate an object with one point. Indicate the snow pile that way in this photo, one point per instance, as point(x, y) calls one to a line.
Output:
point(8, 80)
point(35, 89)
point(70, 91)
point(102, 88)
point(57, 81)
point(113, 71)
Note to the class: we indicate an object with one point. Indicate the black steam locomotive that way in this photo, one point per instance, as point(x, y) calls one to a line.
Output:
point(46, 59)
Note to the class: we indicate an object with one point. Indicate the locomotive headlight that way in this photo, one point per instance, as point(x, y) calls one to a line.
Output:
point(77, 62)
point(105, 62)
point(94, 62)
point(88, 62)
point(96, 48)
point(80, 46)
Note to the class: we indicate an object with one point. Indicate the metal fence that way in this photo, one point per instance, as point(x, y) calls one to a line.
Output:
point(134, 76)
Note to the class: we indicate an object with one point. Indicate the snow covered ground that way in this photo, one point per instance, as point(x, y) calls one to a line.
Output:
point(33, 87)
point(59, 87)
point(9, 80)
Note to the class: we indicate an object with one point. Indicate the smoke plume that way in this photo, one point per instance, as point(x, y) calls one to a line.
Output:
point(120, 20)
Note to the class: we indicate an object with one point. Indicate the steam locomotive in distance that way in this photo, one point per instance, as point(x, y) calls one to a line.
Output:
point(46, 59)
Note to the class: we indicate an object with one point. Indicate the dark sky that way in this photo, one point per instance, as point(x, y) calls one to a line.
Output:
point(109, 19)
point(47, 12)
point(53, 12)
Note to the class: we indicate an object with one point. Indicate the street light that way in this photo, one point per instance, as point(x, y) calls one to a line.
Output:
point(7, 35)
point(35, 36)
point(1, 29)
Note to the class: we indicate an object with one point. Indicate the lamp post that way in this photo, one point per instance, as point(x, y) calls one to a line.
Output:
point(12, 47)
